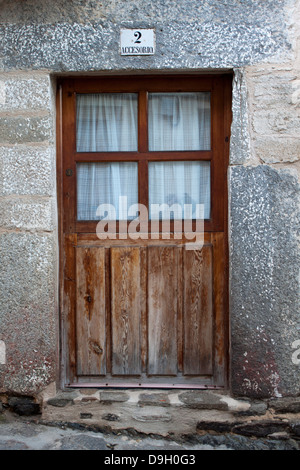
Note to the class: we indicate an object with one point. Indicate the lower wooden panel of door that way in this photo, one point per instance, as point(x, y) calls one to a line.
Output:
point(149, 314)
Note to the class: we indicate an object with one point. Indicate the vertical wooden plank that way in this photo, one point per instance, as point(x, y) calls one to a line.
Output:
point(90, 310)
point(220, 301)
point(217, 162)
point(108, 310)
point(125, 310)
point(162, 310)
point(68, 305)
point(198, 311)
point(143, 122)
point(143, 305)
point(221, 275)
point(68, 133)
point(143, 147)
point(180, 310)
point(143, 185)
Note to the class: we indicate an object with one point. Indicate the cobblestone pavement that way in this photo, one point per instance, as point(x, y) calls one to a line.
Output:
point(27, 434)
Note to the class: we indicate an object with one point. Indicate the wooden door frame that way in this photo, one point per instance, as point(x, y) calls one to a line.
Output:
point(67, 244)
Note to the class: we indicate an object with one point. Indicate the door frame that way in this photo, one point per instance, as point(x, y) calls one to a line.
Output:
point(67, 244)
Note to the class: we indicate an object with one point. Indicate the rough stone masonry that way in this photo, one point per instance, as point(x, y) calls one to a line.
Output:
point(259, 42)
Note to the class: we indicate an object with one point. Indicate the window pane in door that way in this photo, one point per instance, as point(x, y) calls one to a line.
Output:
point(178, 184)
point(106, 122)
point(105, 183)
point(179, 121)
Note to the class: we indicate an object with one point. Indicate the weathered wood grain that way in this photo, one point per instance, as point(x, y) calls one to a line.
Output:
point(220, 304)
point(162, 310)
point(125, 310)
point(198, 311)
point(90, 311)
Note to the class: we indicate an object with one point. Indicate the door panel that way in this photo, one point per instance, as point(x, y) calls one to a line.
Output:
point(125, 310)
point(198, 312)
point(162, 309)
point(90, 311)
point(148, 313)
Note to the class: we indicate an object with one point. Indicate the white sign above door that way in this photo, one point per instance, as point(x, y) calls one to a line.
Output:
point(137, 41)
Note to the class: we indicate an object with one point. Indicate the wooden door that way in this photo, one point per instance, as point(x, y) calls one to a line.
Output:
point(148, 309)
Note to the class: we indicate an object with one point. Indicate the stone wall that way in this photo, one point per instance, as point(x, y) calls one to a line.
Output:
point(28, 238)
point(259, 42)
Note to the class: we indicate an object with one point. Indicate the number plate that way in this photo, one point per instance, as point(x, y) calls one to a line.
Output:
point(137, 41)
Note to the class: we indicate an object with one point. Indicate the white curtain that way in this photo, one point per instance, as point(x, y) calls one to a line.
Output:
point(179, 184)
point(104, 183)
point(106, 122)
point(179, 121)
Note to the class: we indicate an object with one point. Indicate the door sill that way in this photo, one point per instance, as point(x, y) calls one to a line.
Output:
point(144, 385)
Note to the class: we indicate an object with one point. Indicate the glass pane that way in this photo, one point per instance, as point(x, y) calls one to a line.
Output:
point(106, 122)
point(106, 183)
point(179, 121)
point(178, 184)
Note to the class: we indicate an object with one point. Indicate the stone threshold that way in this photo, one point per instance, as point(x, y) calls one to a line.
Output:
point(198, 399)
point(175, 412)
point(167, 413)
